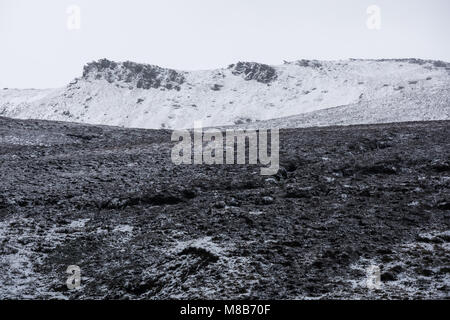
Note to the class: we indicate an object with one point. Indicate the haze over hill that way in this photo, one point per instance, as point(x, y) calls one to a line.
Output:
point(146, 96)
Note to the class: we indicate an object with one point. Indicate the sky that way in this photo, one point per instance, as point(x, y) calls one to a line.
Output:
point(38, 49)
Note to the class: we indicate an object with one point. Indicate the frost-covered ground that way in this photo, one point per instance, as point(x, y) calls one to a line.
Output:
point(144, 96)
point(111, 201)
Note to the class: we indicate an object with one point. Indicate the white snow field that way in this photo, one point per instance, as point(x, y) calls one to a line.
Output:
point(297, 94)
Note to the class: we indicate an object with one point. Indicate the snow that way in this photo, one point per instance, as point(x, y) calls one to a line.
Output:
point(205, 243)
point(369, 89)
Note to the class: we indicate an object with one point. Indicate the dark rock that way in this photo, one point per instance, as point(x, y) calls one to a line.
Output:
point(440, 166)
point(220, 204)
point(444, 270)
point(142, 287)
point(143, 76)
point(216, 87)
point(254, 71)
point(204, 254)
point(267, 200)
point(396, 269)
point(424, 272)
point(295, 191)
point(315, 64)
point(281, 174)
point(233, 202)
point(388, 276)
point(384, 251)
point(189, 193)
point(378, 169)
point(5, 250)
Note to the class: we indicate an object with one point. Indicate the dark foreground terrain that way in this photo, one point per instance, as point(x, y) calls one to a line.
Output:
point(110, 201)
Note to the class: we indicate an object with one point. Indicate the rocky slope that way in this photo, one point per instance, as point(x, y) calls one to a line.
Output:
point(111, 201)
point(144, 96)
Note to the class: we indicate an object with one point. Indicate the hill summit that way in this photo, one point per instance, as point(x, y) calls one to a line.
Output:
point(139, 95)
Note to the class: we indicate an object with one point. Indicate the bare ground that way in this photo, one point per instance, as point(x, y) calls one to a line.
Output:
point(110, 201)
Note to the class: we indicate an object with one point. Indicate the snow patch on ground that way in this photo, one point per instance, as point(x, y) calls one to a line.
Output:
point(402, 279)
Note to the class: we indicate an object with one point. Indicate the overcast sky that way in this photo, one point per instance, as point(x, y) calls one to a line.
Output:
point(38, 50)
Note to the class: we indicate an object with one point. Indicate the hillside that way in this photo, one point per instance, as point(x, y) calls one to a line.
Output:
point(145, 96)
point(420, 105)
point(111, 201)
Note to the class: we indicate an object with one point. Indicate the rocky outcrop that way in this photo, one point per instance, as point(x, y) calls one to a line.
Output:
point(142, 76)
point(254, 71)
point(308, 63)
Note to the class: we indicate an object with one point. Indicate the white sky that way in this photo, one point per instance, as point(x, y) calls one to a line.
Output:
point(37, 50)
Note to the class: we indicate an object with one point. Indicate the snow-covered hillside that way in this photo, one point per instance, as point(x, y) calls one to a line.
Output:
point(421, 105)
point(145, 96)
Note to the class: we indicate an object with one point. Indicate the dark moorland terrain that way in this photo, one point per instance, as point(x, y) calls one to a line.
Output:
point(110, 201)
